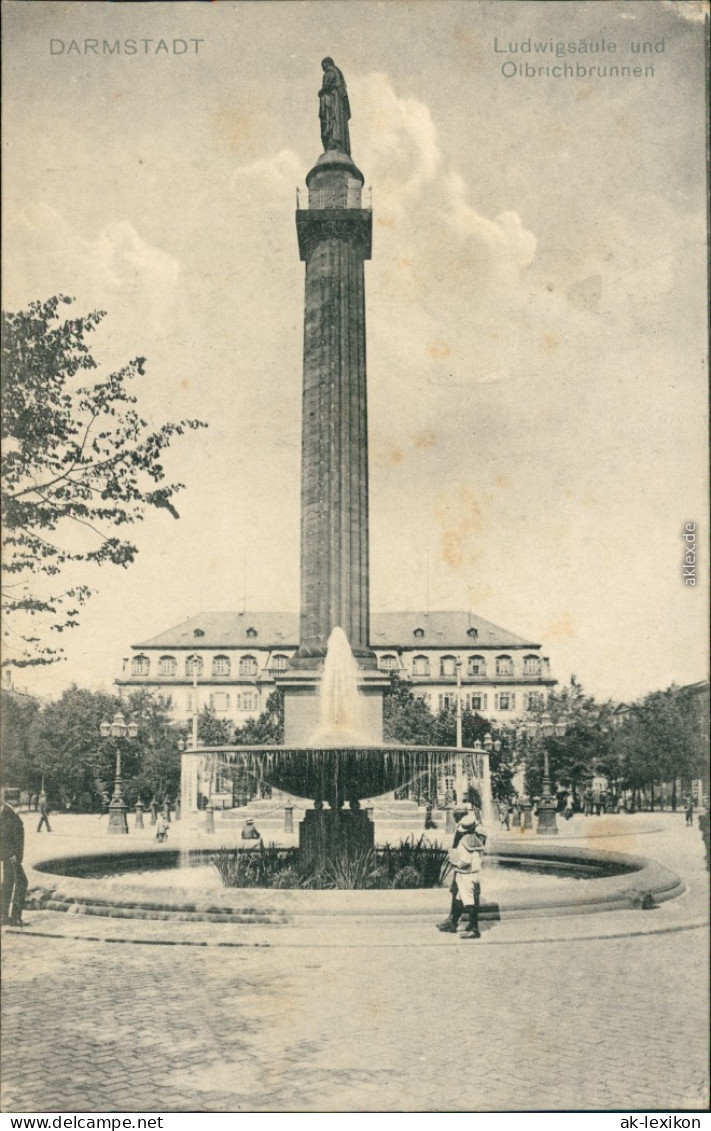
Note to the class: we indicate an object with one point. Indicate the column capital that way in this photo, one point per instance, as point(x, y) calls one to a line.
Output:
point(352, 224)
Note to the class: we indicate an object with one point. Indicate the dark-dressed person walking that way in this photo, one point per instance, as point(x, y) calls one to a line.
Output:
point(44, 814)
point(14, 880)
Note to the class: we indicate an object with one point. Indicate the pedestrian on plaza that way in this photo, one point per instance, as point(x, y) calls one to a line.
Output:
point(166, 808)
point(154, 810)
point(466, 862)
point(689, 810)
point(250, 830)
point(44, 814)
point(161, 828)
point(504, 814)
point(568, 811)
point(469, 825)
point(105, 804)
point(14, 880)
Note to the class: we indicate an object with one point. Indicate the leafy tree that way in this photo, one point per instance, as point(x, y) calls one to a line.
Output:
point(64, 746)
point(583, 751)
point(664, 740)
point(67, 747)
point(268, 728)
point(213, 731)
point(78, 461)
point(407, 719)
point(151, 762)
point(18, 720)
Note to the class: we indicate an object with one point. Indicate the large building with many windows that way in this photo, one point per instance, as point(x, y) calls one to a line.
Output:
point(231, 662)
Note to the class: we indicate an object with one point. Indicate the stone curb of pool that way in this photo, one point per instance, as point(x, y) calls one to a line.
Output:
point(636, 883)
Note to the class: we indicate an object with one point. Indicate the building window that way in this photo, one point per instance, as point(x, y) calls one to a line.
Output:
point(533, 701)
point(476, 702)
point(141, 665)
point(424, 696)
point(248, 701)
point(472, 632)
point(504, 665)
point(248, 666)
point(448, 666)
point(419, 633)
point(532, 665)
point(420, 665)
point(193, 665)
point(446, 701)
point(251, 633)
point(220, 701)
point(167, 665)
point(279, 663)
point(506, 701)
point(221, 665)
point(476, 665)
point(388, 663)
point(197, 633)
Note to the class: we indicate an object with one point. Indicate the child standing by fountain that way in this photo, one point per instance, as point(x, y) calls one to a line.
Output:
point(468, 826)
point(466, 859)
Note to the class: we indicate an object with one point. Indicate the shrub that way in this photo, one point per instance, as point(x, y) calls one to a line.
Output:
point(407, 877)
point(412, 864)
point(287, 878)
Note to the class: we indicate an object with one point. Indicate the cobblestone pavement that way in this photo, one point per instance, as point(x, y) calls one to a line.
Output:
point(350, 1024)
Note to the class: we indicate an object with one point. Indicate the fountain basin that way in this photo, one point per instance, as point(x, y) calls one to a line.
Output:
point(586, 881)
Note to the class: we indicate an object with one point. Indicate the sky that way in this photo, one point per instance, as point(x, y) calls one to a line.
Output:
point(536, 303)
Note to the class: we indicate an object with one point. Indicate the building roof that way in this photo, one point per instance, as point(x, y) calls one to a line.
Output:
point(440, 630)
point(387, 630)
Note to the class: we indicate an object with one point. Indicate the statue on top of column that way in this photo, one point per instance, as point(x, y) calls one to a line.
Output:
point(334, 110)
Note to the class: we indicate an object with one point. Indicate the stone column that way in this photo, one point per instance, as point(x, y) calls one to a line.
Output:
point(334, 241)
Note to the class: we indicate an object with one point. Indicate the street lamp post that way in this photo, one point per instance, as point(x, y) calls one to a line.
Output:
point(118, 728)
point(547, 822)
point(487, 799)
point(194, 660)
point(460, 778)
point(458, 666)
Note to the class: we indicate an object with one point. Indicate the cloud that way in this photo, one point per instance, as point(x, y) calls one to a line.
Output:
point(284, 170)
point(694, 11)
point(400, 150)
point(116, 269)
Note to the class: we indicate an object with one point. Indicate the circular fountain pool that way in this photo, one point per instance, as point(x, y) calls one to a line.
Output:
point(518, 881)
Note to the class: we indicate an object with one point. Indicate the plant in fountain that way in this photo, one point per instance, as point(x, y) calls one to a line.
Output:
point(412, 864)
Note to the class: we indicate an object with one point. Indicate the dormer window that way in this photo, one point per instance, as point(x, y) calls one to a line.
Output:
point(473, 633)
point(419, 632)
point(251, 633)
point(198, 632)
